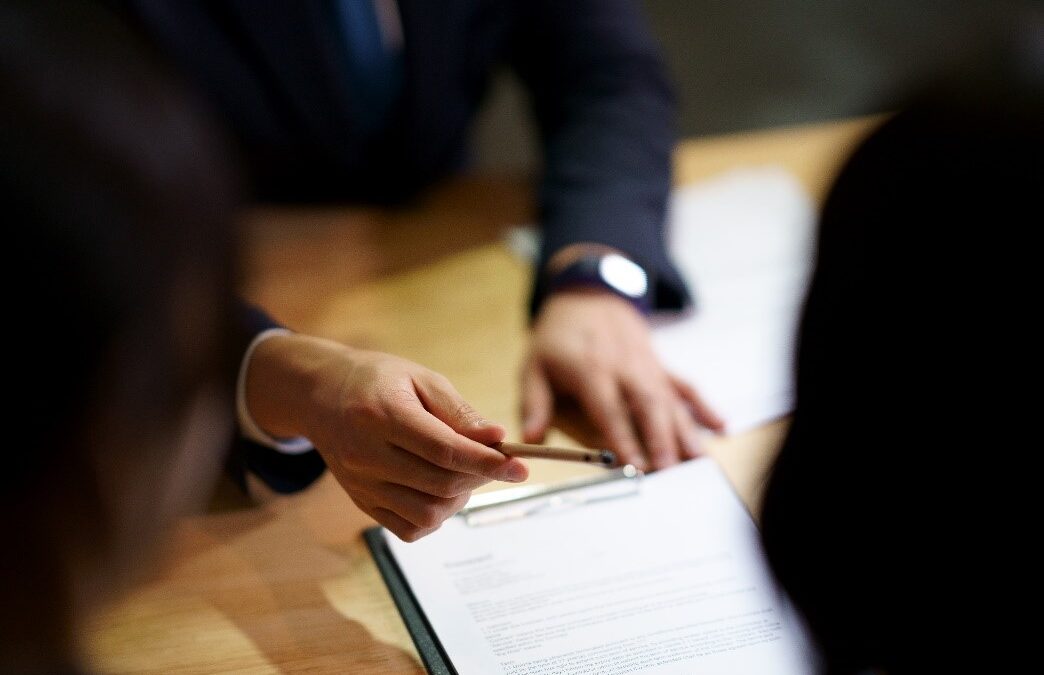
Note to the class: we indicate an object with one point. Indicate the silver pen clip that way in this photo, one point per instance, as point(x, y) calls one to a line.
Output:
point(495, 507)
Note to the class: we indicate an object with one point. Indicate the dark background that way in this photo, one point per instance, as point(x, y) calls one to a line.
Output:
point(750, 64)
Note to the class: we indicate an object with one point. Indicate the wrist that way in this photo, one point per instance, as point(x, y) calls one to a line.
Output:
point(280, 383)
point(595, 267)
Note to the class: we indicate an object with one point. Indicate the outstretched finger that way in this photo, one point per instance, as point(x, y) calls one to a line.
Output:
point(687, 431)
point(604, 405)
point(420, 432)
point(652, 410)
point(405, 468)
point(537, 403)
point(701, 410)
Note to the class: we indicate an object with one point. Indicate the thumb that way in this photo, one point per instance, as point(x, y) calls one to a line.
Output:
point(441, 399)
point(537, 403)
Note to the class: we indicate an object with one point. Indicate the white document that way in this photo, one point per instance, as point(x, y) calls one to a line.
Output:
point(744, 244)
point(669, 580)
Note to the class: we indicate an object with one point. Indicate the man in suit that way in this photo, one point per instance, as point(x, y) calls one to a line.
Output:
point(371, 100)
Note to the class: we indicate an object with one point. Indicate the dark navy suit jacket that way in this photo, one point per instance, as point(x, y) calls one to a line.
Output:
point(277, 71)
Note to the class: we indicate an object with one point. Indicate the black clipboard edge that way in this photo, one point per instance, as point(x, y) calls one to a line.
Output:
point(428, 646)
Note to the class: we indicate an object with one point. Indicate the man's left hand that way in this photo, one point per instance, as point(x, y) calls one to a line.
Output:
point(595, 347)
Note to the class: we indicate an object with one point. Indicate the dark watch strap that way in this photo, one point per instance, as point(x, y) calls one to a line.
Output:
point(588, 271)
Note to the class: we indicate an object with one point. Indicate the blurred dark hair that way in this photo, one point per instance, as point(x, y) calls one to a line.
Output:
point(118, 200)
point(883, 513)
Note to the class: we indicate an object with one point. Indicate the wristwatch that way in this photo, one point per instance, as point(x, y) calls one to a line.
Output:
point(610, 271)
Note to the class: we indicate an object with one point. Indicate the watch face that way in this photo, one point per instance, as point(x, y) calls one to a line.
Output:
point(624, 275)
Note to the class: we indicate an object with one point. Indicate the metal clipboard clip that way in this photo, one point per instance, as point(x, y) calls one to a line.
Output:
point(489, 508)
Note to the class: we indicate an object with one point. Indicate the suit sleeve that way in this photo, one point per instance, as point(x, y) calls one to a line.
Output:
point(282, 472)
point(605, 110)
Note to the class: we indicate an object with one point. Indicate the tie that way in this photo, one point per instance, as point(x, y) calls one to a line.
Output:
point(374, 68)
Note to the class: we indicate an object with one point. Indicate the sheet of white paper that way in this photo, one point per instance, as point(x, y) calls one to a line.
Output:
point(670, 580)
point(743, 242)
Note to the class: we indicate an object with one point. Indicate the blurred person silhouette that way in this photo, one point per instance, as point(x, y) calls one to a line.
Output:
point(371, 101)
point(889, 516)
point(118, 201)
point(120, 198)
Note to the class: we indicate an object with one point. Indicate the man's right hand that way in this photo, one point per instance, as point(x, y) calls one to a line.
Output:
point(398, 437)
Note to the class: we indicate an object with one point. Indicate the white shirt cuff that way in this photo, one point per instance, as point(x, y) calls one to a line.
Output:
point(247, 426)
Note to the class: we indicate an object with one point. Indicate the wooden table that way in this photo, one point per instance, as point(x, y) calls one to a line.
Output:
point(288, 586)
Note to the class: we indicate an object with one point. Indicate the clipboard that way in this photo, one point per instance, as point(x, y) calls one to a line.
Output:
point(578, 576)
point(484, 510)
